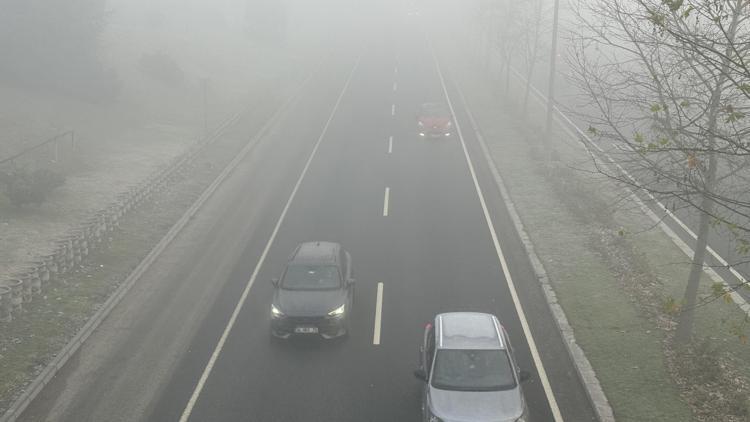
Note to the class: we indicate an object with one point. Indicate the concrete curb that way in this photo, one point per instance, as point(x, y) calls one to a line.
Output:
point(583, 367)
point(49, 372)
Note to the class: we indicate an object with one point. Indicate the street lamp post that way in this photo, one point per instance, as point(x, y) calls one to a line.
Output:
point(552, 63)
point(204, 84)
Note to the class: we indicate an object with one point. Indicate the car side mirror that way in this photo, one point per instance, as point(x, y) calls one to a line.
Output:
point(524, 376)
point(420, 374)
point(275, 282)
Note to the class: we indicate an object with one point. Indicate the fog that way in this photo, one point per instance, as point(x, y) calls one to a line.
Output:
point(397, 210)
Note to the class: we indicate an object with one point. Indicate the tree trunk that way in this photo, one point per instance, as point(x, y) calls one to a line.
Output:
point(687, 316)
point(685, 324)
point(507, 76)
point(487, 49)
point(528, 88)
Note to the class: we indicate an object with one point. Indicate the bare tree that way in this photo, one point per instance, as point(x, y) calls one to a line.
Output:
point(532, 28)
point(501, 25)
point(664, 79)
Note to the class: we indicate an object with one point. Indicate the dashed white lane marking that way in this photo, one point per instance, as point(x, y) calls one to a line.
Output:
point(503, 262)
point(393, 109)
point(225, 334)
point(378, 314)
point(395, 70)
point(386, 198)
point(395, 86)
point(390, 144)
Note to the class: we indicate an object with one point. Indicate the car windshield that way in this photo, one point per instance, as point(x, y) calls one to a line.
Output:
point(434, 110)
point(472, 370)
point(311, 277)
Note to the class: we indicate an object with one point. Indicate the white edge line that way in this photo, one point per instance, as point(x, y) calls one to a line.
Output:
point(222, 340)
point(378, 315)
point(583, 365)
point(503, 263)
point(38, 384)
point(386, 199)
point(390, 144)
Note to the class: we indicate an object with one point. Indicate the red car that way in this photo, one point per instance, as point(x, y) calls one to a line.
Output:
point(434, 119)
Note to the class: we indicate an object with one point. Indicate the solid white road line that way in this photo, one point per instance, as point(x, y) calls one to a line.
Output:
point(386, 198)
point(393, 109)
point(378, 314)
point(503, 263)
point(222, 340)
point(390, 144)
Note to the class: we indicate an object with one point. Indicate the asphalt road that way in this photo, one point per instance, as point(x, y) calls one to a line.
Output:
point(344, 164)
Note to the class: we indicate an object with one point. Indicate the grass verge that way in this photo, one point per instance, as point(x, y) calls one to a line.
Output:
point(613, 272)
point(32, 339)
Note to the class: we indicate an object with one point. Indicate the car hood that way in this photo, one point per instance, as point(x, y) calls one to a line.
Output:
point(477, 406)
point(308, 302)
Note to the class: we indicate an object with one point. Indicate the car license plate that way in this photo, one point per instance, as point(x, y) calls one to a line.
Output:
point(306, 330)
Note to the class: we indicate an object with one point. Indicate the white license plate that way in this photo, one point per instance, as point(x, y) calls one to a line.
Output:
point(306, 330)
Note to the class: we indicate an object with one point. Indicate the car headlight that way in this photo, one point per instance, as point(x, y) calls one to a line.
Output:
point(276, 312)
point(338, 311)
point(449, 124)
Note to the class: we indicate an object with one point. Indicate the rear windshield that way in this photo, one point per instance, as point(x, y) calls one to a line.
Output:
point(311, 277)
point(472, 370)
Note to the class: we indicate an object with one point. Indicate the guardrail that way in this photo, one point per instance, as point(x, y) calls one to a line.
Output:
point(52, 154)
point(22, 286)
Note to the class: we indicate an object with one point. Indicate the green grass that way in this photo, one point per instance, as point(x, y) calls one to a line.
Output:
point(612, 287)
point(624, 347)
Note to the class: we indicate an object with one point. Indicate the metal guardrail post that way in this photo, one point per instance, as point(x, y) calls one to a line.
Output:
point(16, 295)
point(44, 272)
point(35, 282)
point(5, 304)
point(26, 289)
point(51, 262)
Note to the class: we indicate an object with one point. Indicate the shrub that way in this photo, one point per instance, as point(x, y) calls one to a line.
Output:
point(162, 67)
point(24, 187)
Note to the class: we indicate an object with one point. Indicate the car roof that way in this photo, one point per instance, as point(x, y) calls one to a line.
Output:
point(316, 253)
point(468, 330)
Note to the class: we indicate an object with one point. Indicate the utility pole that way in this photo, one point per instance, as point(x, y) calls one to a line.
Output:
point(552, 63)
point(204, 83)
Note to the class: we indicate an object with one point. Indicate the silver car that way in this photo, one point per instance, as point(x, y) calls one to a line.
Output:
point(469, 371)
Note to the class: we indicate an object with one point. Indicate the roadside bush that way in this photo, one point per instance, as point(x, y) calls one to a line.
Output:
point(23, 187)
point(162, 67)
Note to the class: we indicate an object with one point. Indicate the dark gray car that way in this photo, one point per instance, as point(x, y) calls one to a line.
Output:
point(471, 375)
point(315, 293)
